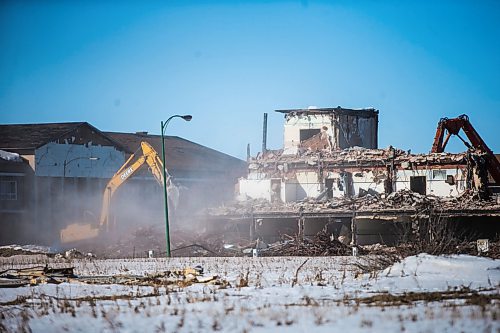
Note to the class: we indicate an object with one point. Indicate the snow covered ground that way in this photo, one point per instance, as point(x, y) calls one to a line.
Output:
point(327, 294)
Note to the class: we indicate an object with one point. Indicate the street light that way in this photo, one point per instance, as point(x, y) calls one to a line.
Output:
point(163, 128)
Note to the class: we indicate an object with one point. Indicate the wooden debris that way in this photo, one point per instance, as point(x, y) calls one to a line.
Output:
point(320, 245)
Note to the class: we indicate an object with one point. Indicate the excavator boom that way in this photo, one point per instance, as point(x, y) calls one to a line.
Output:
point(149, 156)
point(453, 127)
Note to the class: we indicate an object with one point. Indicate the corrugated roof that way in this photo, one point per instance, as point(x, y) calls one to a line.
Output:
point(180, 154)
point(32, 136)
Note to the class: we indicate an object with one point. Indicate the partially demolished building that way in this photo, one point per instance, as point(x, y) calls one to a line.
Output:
point(331, 173)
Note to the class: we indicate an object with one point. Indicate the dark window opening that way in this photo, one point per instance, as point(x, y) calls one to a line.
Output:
point(418, 184)
point(329, 187)
point(308, 133)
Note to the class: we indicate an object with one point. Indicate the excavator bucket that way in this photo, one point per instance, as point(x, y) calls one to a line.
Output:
point(78, 232)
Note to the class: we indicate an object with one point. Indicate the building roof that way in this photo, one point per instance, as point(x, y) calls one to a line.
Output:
point(364, 112)
point(31, 136)
point(180, 154)
point(25, 138)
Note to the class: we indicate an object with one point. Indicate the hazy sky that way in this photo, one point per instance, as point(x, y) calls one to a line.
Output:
point(125, 66)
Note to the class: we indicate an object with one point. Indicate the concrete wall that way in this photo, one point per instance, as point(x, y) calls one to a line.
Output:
point(256, 189)
point(435, 181)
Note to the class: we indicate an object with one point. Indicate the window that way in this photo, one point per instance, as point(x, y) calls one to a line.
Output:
point(439, 174)
point(418, 184)
point(8, 190)
point(450, 180)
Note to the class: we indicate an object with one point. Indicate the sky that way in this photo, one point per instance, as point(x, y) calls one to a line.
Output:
point(127, 65)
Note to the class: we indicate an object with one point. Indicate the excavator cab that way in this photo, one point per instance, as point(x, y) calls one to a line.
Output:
point(453, 127)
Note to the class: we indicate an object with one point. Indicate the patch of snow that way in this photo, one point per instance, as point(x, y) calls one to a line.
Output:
point(29, 248)
point(425, 272)
point(269, 303)
point(8, 156)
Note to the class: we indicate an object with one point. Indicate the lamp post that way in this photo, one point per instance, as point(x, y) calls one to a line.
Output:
point(165, 195)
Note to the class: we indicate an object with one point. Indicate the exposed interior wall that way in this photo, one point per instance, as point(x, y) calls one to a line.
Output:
point(369, 180)
point(435, 181)
point(354, 130)
point(255, 189)
point(343, 130)
point(295, 124)
point(449, 182)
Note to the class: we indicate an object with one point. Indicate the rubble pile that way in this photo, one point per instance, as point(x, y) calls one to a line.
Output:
point(449, 246)
point(135, 243)
point(356, 155)
point(348, 154)
point(322, 244)
point(403, 200)
point(13, 278)
point(204, 245)
point(407, 199)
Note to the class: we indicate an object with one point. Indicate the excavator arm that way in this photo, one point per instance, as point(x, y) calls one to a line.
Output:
point(453, 127)
point(128, 169)
point(134, 163)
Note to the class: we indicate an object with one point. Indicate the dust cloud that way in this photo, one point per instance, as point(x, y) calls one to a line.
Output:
point(136, 215)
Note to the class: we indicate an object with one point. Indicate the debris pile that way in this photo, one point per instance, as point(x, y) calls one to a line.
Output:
point(73, 254)
point(204, 245)
point(403, 200)
point(350, 156)
point(135, 243)
point(322, 244)
point(13, 278)
point(406, 199)
point(180, 278)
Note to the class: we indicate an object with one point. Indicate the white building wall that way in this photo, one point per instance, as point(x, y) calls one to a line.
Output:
point(368, 180)
point(435, 181)
point(255, 188)
point(307, 184)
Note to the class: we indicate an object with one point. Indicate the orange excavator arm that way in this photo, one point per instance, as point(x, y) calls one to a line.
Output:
point(453, 127)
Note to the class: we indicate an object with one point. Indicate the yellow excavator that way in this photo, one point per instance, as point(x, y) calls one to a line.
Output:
point(78, 232)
